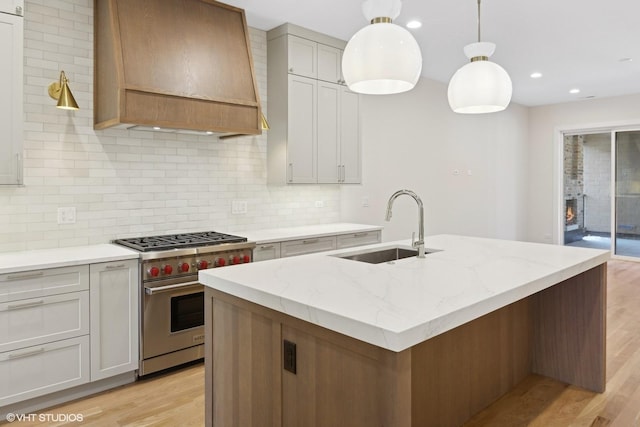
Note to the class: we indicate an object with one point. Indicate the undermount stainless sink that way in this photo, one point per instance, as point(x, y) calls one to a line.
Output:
point(380, 255)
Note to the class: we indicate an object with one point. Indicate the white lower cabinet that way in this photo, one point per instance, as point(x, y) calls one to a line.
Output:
point(37, 321)
point(114, 318)
point(266, 252)
point(64, 327)
point(312, 244)
point(35, 371)
point(358, 239)
point(307, 246)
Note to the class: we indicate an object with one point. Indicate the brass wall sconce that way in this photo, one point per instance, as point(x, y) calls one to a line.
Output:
point(264, 124)
point(60, 91)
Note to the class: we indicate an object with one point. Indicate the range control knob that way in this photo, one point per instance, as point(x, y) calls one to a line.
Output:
point(202, 265)
point(167, 269)
point(235, 259)
point(246, 258)
point(184, 267)
point(153, 271)
point(221, 262)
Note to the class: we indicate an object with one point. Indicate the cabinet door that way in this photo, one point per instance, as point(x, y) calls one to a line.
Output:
point(301, 138)
point(328, 132)
point(350, 144)
point(36, 371)
point(11, 36)
point(329, 374)
point(266, 252)
point(114, 294)
point(302, 57)
point(329, 64)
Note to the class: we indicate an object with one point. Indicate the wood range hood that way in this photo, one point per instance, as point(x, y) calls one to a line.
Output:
point(181, 65)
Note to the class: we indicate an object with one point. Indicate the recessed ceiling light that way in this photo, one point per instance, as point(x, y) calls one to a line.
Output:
point(414, 24)
point(156, 128)
point(625, 59)
point(574, 91)
point(535, 75)
point(209, 132)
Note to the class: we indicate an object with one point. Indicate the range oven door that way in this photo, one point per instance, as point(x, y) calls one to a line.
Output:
point(172, 316)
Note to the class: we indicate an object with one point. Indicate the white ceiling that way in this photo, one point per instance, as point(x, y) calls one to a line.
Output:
point(573, 43)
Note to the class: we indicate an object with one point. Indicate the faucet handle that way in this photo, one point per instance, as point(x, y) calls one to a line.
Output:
point(413, 238)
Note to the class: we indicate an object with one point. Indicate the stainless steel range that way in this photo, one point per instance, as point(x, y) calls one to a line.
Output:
point(172, 299)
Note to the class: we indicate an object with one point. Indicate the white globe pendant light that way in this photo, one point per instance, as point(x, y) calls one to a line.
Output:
point(480, 86)
point(381, 58)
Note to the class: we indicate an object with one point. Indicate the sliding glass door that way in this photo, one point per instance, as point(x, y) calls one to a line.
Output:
point(586, 197)
point(601, 191)
point(627, 194)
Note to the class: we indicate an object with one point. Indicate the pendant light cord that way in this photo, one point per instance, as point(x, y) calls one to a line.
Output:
point(478, 21)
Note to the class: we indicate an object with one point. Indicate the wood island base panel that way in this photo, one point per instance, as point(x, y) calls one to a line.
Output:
point(558, 332)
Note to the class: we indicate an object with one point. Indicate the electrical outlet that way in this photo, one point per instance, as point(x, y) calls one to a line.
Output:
point(67, 215)
point(239, 207)
point(319, 204)
point(289, 355)
point(365, 202)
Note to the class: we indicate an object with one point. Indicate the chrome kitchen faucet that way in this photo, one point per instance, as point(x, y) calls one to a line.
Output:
point(420, 242)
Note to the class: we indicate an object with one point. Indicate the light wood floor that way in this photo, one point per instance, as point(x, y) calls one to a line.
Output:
point(176, 399)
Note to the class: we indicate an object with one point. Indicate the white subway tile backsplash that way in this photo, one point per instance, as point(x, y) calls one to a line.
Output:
point(129, 183)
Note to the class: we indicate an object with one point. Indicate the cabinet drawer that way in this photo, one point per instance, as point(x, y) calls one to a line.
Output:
point(39, 283)
point(307, 246)
point(358, 239)
point(39, 320)
point(39, 370)
point(266, 252)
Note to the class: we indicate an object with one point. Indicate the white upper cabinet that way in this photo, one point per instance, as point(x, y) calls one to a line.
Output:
point(338, 134)
point(11, 52)
point(315, 121)
point(329, 64)
point(302, 54)
point(302, 128)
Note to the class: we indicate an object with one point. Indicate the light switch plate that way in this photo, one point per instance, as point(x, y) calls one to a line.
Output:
point(239, 207)
point(67, 215)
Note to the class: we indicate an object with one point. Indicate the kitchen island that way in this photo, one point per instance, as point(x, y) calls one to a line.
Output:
point(320, 340)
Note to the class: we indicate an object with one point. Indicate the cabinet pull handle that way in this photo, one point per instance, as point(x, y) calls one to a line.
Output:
point(266, 247)
point(19, 170)
point(26, 354)
point(25, 305)
point(291, 70)
point(25, 275)
point(112, 266)
point(309, 242)
point(360, 234)
point(290, 172)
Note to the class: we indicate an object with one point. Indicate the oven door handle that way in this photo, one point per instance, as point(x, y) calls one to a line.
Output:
point(168, 288)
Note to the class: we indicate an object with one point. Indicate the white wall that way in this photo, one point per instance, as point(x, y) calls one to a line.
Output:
point(414, 141)
point(544, 124)
point(126, 183)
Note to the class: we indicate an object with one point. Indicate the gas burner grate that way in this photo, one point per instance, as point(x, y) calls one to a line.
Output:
point(178, 241)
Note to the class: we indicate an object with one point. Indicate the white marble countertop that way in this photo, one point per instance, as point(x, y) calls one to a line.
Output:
point(14, 262)
point(396, 306)
point(304, 232)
